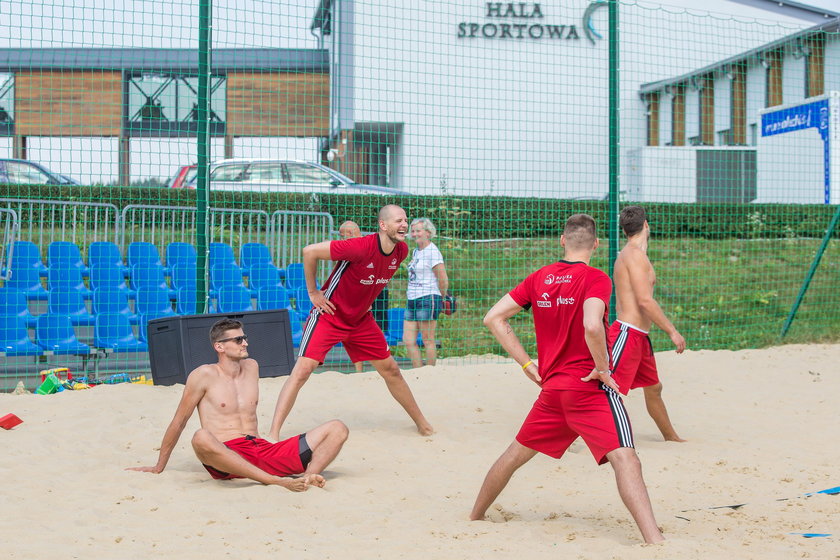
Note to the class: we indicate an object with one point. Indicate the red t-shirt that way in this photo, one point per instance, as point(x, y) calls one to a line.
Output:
point(361, 272)
point(556, 294)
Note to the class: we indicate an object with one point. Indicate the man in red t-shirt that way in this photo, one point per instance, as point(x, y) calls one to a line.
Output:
point(569, 300)
point(341, 312)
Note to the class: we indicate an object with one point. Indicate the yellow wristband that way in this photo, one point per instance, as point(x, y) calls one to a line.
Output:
point(526, 364)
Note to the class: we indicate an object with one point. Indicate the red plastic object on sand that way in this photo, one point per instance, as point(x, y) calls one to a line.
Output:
point(57, 371)
point(10, 421)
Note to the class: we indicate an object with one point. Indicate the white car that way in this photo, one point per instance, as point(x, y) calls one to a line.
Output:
point(266, 176)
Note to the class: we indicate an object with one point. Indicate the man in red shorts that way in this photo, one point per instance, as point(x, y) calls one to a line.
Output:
point(569, 300)
point(228, 444)
point(341, 311)
point(632, 353)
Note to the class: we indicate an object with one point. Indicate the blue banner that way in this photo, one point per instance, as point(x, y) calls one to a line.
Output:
point(810, 115)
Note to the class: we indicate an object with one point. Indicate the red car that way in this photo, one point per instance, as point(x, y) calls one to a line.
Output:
point(184, 176)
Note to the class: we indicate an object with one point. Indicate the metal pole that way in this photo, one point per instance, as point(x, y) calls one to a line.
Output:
point(614, 144)
point(202, 183)
point(816, 262)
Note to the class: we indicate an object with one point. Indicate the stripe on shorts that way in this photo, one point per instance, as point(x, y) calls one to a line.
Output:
point(620, 343)
point(314, 315)
point(622, 421)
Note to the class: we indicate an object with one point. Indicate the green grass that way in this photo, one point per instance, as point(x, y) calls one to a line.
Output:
point(728, 294)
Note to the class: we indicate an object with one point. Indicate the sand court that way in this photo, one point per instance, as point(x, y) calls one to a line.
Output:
point(762, 426)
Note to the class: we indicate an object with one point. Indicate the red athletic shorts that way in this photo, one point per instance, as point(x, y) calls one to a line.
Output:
point(281, 459)
point(633, 364)
point(363, 342)
point(560, 416)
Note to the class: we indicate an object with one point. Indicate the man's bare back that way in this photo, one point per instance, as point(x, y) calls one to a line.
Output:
point(634, 279)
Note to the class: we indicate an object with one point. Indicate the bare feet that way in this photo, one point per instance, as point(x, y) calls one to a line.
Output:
point(674, 437)
point(315, 480)
point(293, 484)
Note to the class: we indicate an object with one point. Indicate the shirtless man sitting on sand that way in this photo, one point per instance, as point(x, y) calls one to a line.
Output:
point(228, 444)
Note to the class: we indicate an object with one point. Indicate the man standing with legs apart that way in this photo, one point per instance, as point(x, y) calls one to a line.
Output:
point(228, 444)
point(578, 397)
point(341, 311)
point(632, 353)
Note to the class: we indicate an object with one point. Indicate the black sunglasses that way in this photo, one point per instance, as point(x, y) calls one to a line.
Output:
point(237, 339)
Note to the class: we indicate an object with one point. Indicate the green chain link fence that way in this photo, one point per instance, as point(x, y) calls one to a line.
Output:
point(200, 124)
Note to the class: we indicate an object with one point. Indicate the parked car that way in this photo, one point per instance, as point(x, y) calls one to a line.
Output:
point(23, 172)
point(263, 175)
point(182, 179)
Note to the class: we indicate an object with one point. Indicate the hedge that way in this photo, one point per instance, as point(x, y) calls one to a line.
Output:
point(473, 217)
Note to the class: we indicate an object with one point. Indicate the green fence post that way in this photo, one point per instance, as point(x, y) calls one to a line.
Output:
point(202, 183)
point(816, 262)
point(614, 144)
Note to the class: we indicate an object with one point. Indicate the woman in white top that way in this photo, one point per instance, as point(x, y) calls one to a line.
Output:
point(427, 282)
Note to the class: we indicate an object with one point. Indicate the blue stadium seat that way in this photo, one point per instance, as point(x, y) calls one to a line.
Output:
point(233, 299)
point(13, 302)
point(186, 301)
point(273, 297)
point(154, 300)
point(67, 277)
point(65, 254)
point(107, 254)
point(276, 297)
point(113, 332)
point(27, 280)
point(224, 274)
point(183, 275)
point(109, 300)
point(109, 276)
point(14, 339)
point(264, 275)
point(180, 253)
point(294, 276)
point(69, 302)
point(26, 254)
point(396, 316)
point(303, 304)
point(55, 333)
point(221, 253)
point(251, 254)
point(143, 252)
point(147, 275)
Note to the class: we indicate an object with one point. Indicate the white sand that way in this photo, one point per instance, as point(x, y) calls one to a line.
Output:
point(762, 425)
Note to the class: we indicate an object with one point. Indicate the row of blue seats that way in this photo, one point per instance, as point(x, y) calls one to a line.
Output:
point(67, 254)
point(151, 300)
point(262, 275)
point(113, 332)
point(55, 334)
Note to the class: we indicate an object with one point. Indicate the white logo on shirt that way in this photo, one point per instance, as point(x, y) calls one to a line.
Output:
point(544, 302)
point(367, 281)
point(549, 279)
point(565, 301)
point(369, 265)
